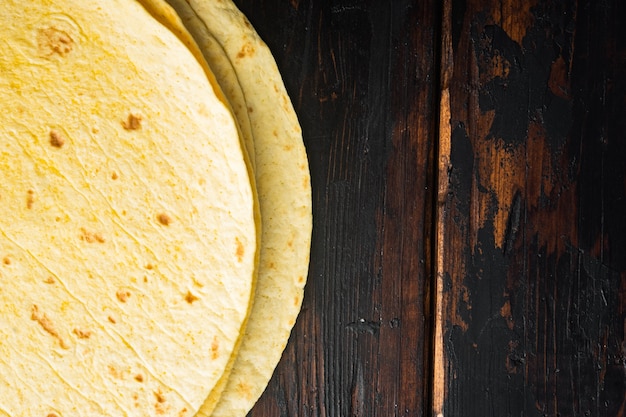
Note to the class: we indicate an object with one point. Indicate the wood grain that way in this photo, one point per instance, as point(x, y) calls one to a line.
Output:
point(362, 79)
point(534, 221)
point(468, 166)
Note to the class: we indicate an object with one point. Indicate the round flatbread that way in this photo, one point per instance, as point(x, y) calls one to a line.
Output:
point(127, 239)
point(243, 63)
point(165, 14)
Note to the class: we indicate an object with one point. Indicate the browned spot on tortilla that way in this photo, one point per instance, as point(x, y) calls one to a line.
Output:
point(275, 133)
point(300, 279)
point(240, 250)
point(56, 139)
point(82, 334)
point(6, 260)
point(296, 300)
point(133, 122)
point(54, 41)
point(90, 237)
point(49, 280)
point(203, 109)
point(114, 175)
point(46, 324)
point(52, 415)
point(271, 265)
point(160, 406)
point(139, 378)
point(246, 50)
point(288, 147)
point(250, 109)
point(190, 298)
point(164, 219)
point(30, 199)
point(118, 372)
point(182, 412)
point(111, 319)
point(122, 295)
point(215, 346)
point(149, 266)
point(243, 389)
point(290, 243)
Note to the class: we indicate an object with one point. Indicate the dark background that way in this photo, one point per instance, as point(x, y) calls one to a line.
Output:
point(468, 163)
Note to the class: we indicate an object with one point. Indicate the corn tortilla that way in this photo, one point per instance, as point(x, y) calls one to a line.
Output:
point(240, 59)
point(128, 235)
point(165, 14)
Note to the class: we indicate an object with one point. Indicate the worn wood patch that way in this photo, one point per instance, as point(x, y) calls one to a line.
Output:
point(534, 256)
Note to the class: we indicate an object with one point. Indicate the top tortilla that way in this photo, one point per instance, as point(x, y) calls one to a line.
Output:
point(126, 270)
point(242, 62)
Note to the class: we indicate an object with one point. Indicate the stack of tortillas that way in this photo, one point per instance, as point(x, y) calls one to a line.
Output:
point(156, 209)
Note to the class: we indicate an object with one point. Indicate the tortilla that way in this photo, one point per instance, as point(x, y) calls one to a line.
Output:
point(239, 58)
point(165, 14)
point(128, 239)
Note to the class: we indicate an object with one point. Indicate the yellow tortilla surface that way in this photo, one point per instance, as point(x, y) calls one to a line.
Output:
point(165, 14)
point(128, 238)
point(240, 60)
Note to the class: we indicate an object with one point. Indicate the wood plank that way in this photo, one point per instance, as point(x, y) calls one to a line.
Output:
point(534, 243)
point(531, 232)
point(362, 78)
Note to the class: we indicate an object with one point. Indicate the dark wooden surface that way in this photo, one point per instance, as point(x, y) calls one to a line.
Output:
point(468, 164)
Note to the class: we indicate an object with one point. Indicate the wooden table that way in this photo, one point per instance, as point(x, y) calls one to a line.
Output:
point(468, 163)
